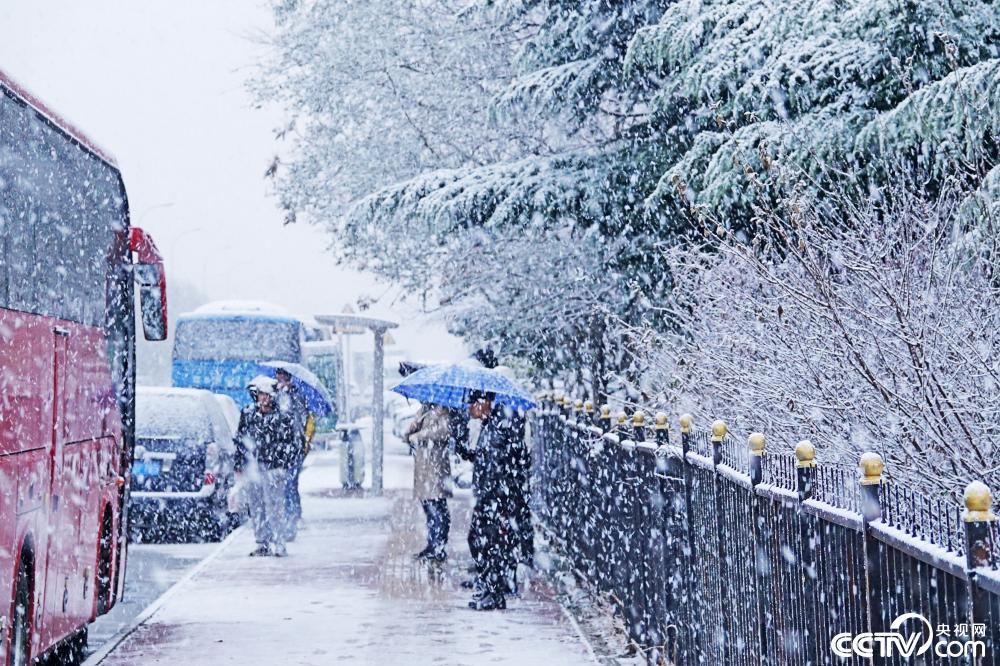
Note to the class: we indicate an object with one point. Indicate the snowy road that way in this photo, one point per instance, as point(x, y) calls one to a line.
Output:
point(152, 569)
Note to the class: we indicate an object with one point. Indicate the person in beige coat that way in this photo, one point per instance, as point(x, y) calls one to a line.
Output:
point(428, 437)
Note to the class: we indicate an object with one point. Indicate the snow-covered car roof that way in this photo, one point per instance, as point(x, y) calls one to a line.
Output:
point(169, 411)
point(241, 308)
point(171, 390)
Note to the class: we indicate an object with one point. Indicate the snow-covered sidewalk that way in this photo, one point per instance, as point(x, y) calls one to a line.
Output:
point(349, 592)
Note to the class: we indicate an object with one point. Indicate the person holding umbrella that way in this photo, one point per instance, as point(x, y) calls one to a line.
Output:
point(497, 402)
point(428, 436)
point(291, 401)
point(494, 539)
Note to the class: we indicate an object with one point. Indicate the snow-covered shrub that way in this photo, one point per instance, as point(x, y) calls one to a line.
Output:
point(861, 321)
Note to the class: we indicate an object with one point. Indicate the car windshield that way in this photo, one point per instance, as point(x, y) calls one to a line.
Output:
point(162, 416)
point(236, 339)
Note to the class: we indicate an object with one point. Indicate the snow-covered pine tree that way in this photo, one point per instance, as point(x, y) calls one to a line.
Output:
point(848, 84)
point(560, 142)
point(558, 170)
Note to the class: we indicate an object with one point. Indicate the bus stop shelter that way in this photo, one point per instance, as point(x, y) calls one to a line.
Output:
point(351, 324)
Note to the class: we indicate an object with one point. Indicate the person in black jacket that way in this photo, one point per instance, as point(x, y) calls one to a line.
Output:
point(498, 481)
point(291, 401)
point(266, 446)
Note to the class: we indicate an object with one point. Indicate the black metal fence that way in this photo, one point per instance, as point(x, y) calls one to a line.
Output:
point(716, 553)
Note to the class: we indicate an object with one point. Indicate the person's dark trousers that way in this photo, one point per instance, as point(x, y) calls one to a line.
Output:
point(488, 539)
point(477, 539)
point(525, 536)
point(438, 524)
point(293, 500)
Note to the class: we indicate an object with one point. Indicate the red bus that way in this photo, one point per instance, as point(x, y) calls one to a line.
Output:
point(69, 263)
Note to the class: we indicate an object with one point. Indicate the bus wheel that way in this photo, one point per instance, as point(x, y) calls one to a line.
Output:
point(17, 651)
point(104, 567)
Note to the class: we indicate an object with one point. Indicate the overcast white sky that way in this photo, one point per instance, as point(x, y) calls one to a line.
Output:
point(160, 84)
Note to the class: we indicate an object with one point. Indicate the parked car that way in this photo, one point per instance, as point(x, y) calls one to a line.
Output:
point(183, 467)
point(230, 410)
point(402, 416)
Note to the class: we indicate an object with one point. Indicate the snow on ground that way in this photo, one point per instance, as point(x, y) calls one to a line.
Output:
point(349, 592)
point(152, 570)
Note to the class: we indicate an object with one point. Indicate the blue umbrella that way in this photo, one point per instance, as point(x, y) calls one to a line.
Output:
point(311, 387)
point(450, 385)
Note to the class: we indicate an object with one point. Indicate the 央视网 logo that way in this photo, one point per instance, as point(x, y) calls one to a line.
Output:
point(911, 635)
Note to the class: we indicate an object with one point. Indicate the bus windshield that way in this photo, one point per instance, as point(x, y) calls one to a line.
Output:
point(237, 339)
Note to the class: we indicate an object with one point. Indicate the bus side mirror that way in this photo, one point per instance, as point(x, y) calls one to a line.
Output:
point(152, 281)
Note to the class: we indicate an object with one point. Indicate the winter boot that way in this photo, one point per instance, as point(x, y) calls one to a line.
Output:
point(436, 555)
point(261, 551)
point(488, 602)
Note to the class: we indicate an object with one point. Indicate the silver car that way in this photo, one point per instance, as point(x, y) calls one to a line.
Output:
point(183, 465)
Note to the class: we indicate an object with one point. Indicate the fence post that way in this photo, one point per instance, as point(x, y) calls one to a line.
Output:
point(805, 466)
point(805, 473)
point(871, 465)
point(619, 515)
point(577, 480)
point(979, 552)
point(603, 497)
point(667, 578)
point(587, 476)
point(756, 443)
point(642, 597)
point(561, 483)
point(719, 432)
point(691, 613)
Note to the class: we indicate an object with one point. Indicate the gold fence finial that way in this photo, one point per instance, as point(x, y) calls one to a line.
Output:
point(588, 406)
point(578, 405)
point(605, 412)
point(871, 465)
point(719, 430)
point(805, 453)
point(661, 420)
point(978, 503)
point(685, 420)
point(622, 418)
point(639, 419)
point(756, 442)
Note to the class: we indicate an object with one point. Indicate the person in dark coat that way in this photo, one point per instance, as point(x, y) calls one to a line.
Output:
point(520, 467)
point(493, 532)
point(266, 446)
point(292, 402)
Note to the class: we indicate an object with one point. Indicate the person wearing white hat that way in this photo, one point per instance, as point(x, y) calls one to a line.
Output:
point(266, 445)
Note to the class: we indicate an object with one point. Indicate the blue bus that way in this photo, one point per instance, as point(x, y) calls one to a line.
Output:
point(218, 346)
